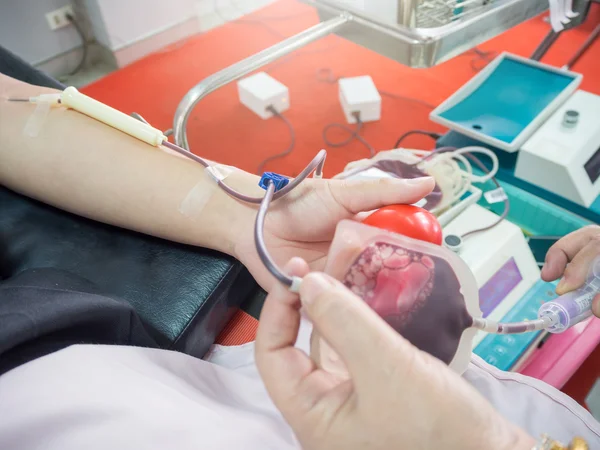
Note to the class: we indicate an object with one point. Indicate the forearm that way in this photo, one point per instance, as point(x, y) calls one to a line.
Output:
point(85, 167)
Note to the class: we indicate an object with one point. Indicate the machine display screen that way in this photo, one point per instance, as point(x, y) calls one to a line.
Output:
point(499, 286)
point(592, 167)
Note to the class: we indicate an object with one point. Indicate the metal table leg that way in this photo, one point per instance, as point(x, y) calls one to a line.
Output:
point(545, 45)
point(588, 42)
point(244, 67)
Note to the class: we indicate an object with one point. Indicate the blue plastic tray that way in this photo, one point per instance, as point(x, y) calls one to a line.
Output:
point(507, 101)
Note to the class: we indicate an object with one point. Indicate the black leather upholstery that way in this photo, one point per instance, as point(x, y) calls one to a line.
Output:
point(183, 295)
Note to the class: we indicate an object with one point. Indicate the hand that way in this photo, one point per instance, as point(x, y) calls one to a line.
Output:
point(303, 222)
point(396, 396)
point(571, 258)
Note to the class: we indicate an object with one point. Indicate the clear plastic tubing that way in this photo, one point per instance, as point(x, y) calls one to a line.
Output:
point(573, 307)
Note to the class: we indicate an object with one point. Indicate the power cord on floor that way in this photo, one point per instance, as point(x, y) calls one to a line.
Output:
point(84, 44)
point(353, 134)
point(482, 58)
point(261, 166)
point(431, 134)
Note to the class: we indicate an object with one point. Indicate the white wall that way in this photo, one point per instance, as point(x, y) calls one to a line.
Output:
point(120, 23)
point(129, 29)
point(25, 32)
point(132, 29)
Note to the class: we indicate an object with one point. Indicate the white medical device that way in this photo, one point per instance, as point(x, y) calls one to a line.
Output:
point(500, 259)
point(261, 93)
point(359, 97)
point(563, 155)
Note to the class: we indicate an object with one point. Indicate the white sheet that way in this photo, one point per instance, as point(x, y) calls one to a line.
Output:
point(104, 397)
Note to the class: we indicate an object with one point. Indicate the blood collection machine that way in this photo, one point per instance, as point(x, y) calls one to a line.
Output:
point(563, 155)
point(500, 260)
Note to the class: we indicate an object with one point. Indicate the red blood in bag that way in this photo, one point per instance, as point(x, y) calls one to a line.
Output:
point(408, 220)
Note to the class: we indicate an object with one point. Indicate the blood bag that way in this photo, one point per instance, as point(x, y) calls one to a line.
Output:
point(450, 183)
point(424, 291)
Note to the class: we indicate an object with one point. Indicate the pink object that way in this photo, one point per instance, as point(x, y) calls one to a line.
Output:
point(562, 354)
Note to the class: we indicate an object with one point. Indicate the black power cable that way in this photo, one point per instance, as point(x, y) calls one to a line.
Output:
point(261, 166)
point(84, 44)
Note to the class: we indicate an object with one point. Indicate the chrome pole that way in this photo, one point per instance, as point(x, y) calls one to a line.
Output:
point(244, 67)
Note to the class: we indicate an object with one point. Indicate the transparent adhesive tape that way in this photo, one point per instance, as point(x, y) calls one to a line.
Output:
point(36, 121)
point(219, 172)
point(195, 201)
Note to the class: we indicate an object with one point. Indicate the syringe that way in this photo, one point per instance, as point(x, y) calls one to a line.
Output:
point(573, 307)
point(555, 316)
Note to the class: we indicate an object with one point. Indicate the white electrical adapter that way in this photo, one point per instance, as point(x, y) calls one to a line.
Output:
point(358, 95)
point(260, 91)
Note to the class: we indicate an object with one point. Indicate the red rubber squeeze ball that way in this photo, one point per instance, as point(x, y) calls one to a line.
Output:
point(407, 220)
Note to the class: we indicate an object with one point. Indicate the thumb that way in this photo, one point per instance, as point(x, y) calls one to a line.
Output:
point(596, 306)
point(366, 195)
point(578, 269)
point(355, 332)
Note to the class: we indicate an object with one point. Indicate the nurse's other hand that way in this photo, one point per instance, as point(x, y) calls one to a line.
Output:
point(303, 222)
point(571, 258)
point(396, 396)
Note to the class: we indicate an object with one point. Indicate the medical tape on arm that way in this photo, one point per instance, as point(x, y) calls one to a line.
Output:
point(197, 198)
point(43, 104)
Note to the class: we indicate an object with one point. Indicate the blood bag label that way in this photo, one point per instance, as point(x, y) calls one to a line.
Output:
point(495, 196)
point(371, 173)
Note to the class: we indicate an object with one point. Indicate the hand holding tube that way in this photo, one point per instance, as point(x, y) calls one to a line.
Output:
point(394, 396)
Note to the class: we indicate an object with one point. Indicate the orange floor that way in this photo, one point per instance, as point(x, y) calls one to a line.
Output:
point(222, 129)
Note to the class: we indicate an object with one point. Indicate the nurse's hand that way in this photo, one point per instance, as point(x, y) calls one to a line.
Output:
point(303, 222)
point(571, 258)
point(396, 396)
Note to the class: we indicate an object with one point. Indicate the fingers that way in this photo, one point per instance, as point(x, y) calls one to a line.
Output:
point(354, 331)
point(577, 271)
point(279, 363)
point(561, 253)
point(596, 306)
point(366, 195)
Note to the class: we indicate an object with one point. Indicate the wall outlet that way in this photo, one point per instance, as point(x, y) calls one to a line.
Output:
point(58, 18)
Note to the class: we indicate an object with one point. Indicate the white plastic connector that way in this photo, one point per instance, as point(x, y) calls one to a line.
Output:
point(359, 95)
point(296, 283)
point(72, 98)
point(260, 91)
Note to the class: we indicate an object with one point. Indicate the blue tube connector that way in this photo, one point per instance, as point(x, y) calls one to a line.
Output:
point(279, 181)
